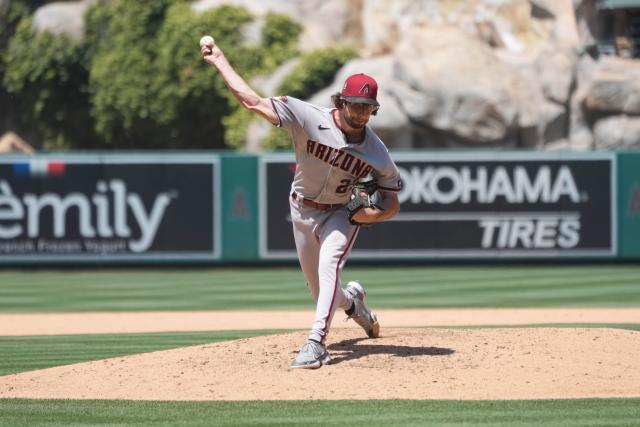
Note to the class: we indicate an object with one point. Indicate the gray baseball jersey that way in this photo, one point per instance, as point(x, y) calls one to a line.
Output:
point(327, 166)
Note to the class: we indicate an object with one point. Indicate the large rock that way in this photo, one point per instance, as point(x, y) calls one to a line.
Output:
point(268, 85)
point(463, 89)
point(62, 18)
point(325, 22)
point(615, 87)
point(515, 25)
point(580, 133)
point(554, 124)
point(564, 26)
point(587, 23)
point(387, 22)
point(617, 132)
point(544, 84)
point(555, 68)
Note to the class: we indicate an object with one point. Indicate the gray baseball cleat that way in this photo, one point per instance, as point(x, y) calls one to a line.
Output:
point(361, 313)
point(312, 355)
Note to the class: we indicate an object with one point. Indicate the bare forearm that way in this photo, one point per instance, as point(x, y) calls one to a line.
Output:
point(389, 207)
point(236, 84)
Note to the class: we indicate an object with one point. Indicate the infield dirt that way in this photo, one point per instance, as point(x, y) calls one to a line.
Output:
point(405, 363)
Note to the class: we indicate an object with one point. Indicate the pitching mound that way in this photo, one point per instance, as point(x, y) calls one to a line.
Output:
point(531, 363)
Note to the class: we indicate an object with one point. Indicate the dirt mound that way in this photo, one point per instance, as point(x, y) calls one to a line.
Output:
point(532, 363)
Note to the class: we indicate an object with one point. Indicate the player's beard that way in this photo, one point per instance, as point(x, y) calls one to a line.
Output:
point(353, 123)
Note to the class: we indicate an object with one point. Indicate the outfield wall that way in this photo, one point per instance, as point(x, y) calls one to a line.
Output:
point(213, 208)
point(628, 193)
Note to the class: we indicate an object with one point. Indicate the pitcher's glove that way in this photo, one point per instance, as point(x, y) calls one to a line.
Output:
point(361, 197)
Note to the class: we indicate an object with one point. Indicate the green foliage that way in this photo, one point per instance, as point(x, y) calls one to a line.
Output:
point(123, 72)
point(279, 43)
point(48, 79)
point(137, 80)
point(315, 71)
point(168, 97)
point(277, 139)
point(11, 13)
point(279, 39)
point(164, 95)
point(235, 125)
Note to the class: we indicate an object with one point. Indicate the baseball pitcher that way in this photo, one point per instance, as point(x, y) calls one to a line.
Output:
point(344, 179)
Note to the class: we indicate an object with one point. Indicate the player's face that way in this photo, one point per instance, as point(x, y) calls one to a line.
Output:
point(357, 115)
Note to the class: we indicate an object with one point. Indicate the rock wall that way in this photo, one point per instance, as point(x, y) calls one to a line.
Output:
point(463, 73)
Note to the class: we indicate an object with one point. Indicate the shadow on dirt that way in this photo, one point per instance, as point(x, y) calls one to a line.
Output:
point(352, 349)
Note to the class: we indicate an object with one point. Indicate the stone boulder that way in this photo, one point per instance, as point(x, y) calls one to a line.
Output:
point(545, 80)
point(515, 25)
point(614, 87)
point(586, 16)
point(268, 85)
point(65, 17)
point(314, 15)
point(462, 88)
point(561, 15)
point(580, 132)
point(555, 68)
point(617, 132)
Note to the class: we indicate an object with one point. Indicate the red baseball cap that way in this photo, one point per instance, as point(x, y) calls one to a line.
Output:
point(360, 88)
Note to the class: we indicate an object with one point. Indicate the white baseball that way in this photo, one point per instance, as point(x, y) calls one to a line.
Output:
point(207, 41)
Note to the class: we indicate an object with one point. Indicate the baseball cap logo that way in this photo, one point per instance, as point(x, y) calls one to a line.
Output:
point(360, 88)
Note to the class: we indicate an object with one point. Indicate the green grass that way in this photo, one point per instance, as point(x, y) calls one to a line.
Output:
point(558, 413)
point(282, 288)
point(18, 354)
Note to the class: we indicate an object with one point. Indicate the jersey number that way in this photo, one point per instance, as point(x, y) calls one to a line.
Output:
point(346, 183)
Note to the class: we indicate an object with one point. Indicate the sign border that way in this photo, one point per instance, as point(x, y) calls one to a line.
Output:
point(427, 254)
point(75, 158)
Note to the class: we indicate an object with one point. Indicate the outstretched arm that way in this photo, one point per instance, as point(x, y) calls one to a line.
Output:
point(249, 99)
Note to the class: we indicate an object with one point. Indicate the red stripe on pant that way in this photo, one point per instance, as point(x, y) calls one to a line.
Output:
point(336, 285)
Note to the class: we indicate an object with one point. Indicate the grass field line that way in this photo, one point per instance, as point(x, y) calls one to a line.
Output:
point(515, 413)
point(32, 324)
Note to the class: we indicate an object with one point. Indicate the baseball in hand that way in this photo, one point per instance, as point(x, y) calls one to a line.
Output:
point(207, 41)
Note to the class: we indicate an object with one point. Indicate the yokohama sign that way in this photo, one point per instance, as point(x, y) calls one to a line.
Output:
point(485, 205)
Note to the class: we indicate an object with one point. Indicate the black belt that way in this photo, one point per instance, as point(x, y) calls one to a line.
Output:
point(312, 204)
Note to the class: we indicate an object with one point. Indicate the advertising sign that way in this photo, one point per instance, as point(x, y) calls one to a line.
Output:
point(109, 208)
point(474, 205)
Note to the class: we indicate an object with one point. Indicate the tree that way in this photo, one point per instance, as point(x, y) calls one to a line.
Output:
point(137, 79)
